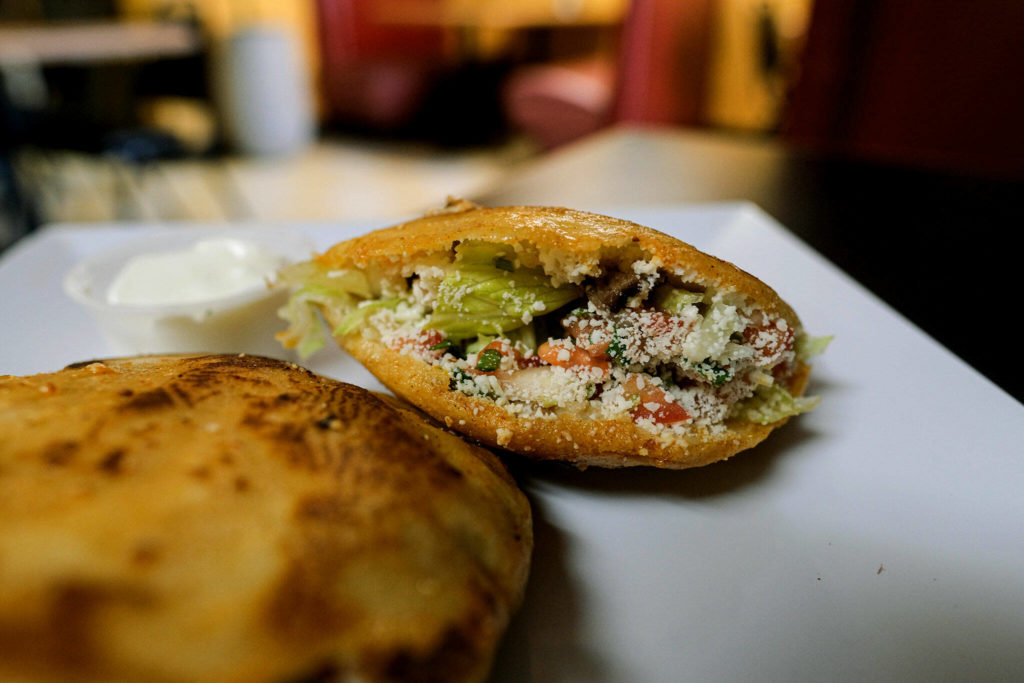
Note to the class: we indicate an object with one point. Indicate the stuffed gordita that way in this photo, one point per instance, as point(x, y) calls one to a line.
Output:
point(237, 518)
point(560, 334)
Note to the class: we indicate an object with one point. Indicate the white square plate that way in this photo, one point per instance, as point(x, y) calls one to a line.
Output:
point(880, 537)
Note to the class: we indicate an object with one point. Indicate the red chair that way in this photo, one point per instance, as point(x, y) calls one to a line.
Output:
point(374, 75)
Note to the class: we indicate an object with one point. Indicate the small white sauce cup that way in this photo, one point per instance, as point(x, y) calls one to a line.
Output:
point(243, 322)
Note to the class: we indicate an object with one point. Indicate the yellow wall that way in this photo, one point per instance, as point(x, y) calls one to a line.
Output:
point(739, 94)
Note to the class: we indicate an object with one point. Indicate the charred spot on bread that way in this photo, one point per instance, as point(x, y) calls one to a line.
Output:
point(276, 525)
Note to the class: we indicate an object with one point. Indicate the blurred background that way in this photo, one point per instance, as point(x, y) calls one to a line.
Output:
point(885, 133)
point(152, 110)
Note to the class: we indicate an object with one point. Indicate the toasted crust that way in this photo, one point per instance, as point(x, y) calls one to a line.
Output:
point(564, 241)
point(236, 518)
point(568, 244)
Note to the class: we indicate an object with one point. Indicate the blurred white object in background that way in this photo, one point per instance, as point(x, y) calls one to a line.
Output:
point(263, 92)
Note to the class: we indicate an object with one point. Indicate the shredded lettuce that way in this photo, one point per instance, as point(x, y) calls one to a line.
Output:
point(673, 300)
point(807, 347)
point(773, 403)
point(313, 274)
point(475, 299)
point(305, 331)
point(525, 336)
point(480, 342)
point(336, 290)
point(364, 310)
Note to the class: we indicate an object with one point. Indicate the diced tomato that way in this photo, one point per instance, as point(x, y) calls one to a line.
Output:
point(598, 350)
point(577, 327)
point(659, 323)
point(502, 347)
point(766, 338)
point(653, 402)
point(585, 328)
point(420, 343)
point(566, 355)
point(533, 361)
point(666, 413)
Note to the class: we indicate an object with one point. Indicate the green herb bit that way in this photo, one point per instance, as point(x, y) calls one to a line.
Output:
point(713, 372)
point(450, 347)
point(458, 376)
point(489, 360)
point(617, 349)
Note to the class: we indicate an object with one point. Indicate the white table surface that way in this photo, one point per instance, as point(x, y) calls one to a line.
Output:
point(879, 538)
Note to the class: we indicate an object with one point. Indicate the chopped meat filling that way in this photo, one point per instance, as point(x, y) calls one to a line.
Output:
point(618, 352)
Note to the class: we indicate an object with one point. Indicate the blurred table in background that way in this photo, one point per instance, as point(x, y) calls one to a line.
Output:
point(934, 245)
point(92, 41)
point(336, 179)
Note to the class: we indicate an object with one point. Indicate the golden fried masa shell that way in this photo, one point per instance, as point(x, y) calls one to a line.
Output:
point(235, 518)
point(564, 241)
point(568, 244)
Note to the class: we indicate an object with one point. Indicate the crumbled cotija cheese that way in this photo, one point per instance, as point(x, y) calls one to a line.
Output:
point(649, 344)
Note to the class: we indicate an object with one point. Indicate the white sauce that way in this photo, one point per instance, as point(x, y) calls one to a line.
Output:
point(210, 269)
